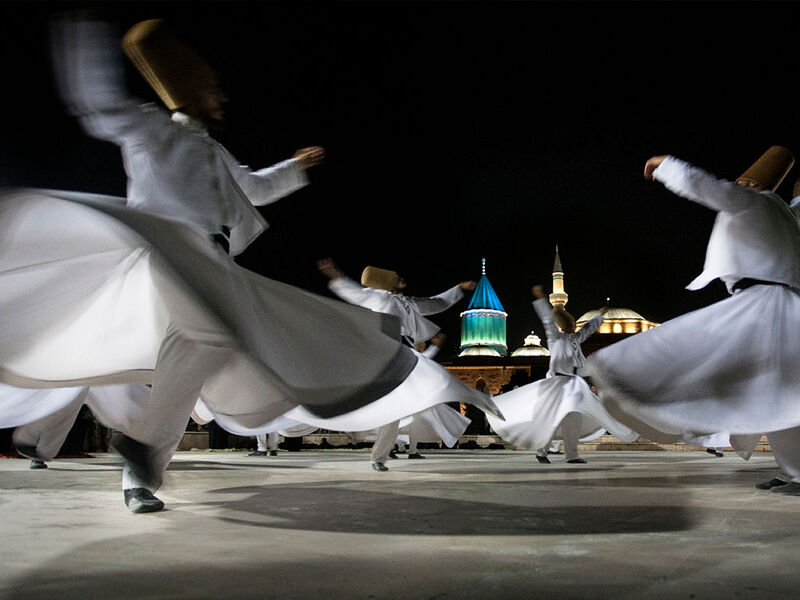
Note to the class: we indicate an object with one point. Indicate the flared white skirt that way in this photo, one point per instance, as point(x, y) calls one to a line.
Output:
point(89, 291)
point(732, 368)
point(533, 413)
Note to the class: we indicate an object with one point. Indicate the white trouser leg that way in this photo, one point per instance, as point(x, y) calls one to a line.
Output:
point(47, 435)
point(412, 444)
point(272, 440)
point(384, 442)
point(261, 441)
point(571, 430)
point(786, 451)
point(182, 367)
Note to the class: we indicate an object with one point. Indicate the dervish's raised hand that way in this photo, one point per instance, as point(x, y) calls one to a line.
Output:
point(468, 286)
point(310, 157)
point(328, 268)
point(796, 188)
point(652, 164)
point(538, 291)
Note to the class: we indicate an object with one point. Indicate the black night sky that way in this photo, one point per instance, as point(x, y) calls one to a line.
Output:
point(457, 131)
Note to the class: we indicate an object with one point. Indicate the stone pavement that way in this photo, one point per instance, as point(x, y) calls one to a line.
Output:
point(462, 524)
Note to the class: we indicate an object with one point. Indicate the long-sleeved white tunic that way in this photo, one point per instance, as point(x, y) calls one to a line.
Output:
point(413, 324)
point(755, 232)
point(566, 355)
point(730, 367)
point(174, 167)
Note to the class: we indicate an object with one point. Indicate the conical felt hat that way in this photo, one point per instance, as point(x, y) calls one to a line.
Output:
point(380, 279)
point(563, 320)
point(770, 169)
point(172, 68)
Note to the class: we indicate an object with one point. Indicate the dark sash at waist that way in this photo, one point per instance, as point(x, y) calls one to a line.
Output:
point(747, 282)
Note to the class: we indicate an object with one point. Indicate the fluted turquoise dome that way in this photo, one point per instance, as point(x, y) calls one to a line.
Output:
point(483, 324)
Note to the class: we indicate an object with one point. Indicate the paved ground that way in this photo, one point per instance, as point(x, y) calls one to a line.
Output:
point(461, 524)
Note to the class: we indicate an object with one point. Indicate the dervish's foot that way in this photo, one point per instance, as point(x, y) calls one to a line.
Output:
point(790, 489)
point(555, 452)
point(716, 453)
point(577, 461)
point(273, 453)
point(392, 454)
point(543, 459)
point(27, 451)
point(137, 458)
point(378, 466)
point(141, 500)
point(768, 485)
point(37, 463)
point(258, 453)
point(415, 455)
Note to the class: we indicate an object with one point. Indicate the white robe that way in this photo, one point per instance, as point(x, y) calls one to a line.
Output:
point(533, 412)
point(731, 367)
point(96, 292)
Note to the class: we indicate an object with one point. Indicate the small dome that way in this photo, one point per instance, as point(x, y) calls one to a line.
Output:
point(533, 347)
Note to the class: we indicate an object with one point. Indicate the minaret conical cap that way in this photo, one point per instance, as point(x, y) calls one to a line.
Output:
point(557, 265)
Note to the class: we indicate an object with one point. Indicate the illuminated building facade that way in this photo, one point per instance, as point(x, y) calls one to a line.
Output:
point(483, 324)
point(618, 320)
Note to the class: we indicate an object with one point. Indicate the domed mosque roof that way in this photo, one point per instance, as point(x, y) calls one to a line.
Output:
point(618, 320)
point(533, 347)
point(613, 313)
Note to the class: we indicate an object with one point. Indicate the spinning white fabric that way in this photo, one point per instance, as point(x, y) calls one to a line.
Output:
point(534, 412)
point(730, 367)
point(95, 303)
point(428, 386)
point(438, 423)
point(96, 292)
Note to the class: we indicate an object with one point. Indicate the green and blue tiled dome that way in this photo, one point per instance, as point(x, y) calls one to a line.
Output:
point(483, 324)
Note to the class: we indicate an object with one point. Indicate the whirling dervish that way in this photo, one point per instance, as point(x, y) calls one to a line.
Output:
point(100, 290)
point(562, 405)
point(692, 378)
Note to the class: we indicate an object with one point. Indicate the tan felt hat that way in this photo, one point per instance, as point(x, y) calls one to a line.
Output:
point(380, 279)
point(172, 68)
point(770, 169)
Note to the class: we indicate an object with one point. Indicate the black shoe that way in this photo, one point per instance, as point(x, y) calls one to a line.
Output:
point(577, 461)
point(790, 489)
point(37, 463)
point(258, 453)
point(415, 455)
point(772, 483)
point(140, 500)
point(379, 466)
point(716, 453)
point(273, 453)
point(555, 452)
point(392, 454)
point(543, 459)
point(137, 458)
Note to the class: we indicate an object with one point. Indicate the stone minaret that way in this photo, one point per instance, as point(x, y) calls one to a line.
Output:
point(559, 296)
